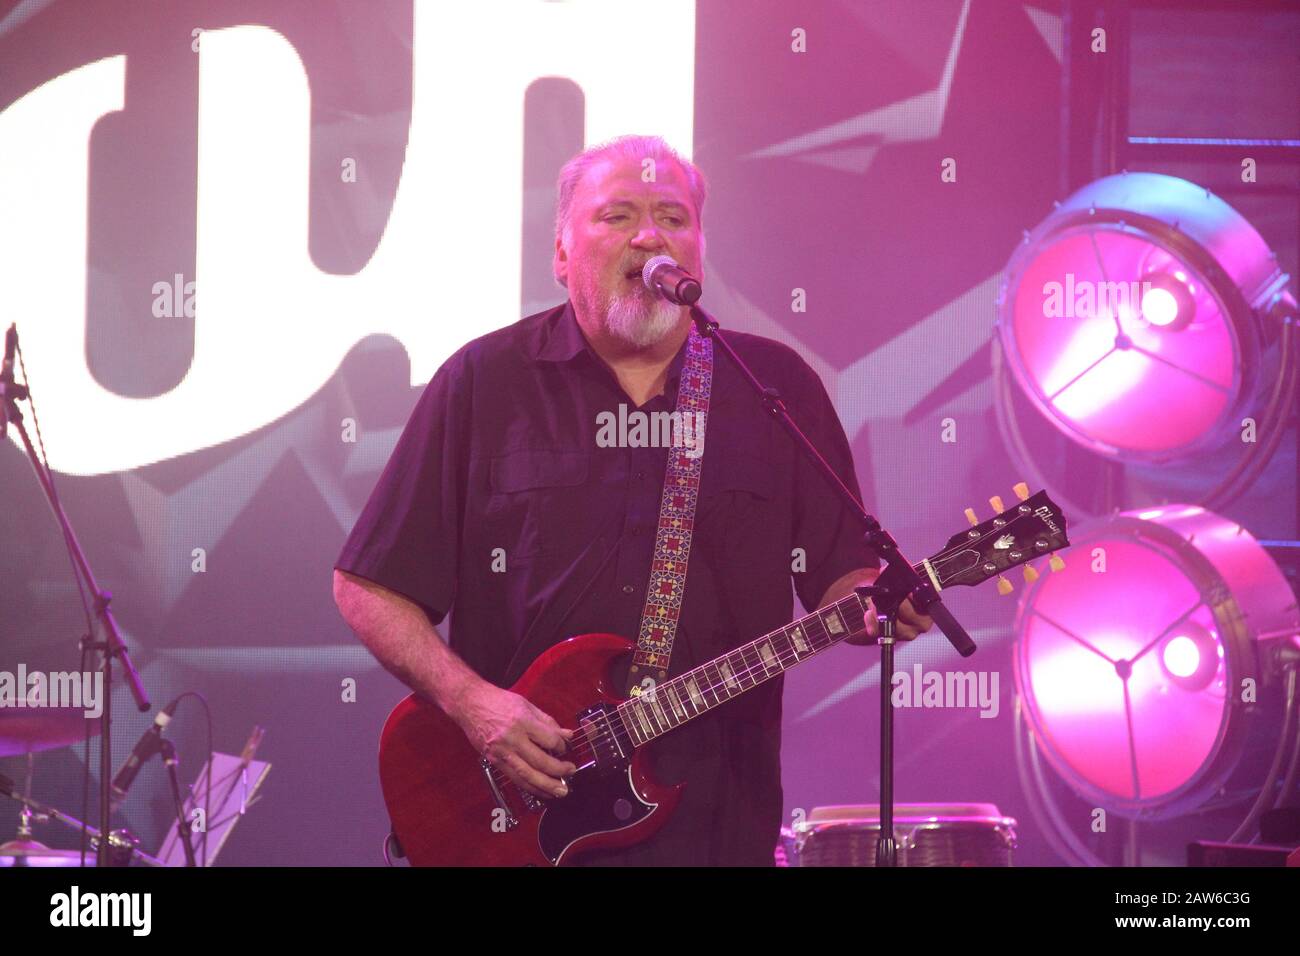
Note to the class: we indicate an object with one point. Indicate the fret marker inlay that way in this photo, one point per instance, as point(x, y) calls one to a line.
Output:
point(675, 703)
point(645, 724)
point(800, 644)
point(727, 677)
point(694, 691)
point(663, 718)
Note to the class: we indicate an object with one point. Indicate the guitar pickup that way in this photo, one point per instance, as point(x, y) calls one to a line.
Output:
point(600, 733)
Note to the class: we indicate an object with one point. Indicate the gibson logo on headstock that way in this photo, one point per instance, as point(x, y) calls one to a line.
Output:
point(1045, 514)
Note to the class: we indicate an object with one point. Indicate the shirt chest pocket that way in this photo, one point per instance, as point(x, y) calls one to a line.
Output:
point(730, 473)
point(740, 519)
point(535, 501)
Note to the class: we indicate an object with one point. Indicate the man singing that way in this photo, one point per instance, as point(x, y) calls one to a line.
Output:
point(505, 505)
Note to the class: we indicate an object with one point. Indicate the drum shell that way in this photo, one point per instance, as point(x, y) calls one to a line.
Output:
point(923, 840)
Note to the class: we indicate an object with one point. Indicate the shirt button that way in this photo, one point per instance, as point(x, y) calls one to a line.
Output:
point(628, 589)
point(639, 476)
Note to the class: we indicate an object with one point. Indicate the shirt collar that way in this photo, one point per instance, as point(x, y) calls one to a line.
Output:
point(562, 340)
point(561, 337)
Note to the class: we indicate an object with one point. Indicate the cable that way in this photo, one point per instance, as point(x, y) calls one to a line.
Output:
point(1267, 792)
point(207, 786)
point(85, 766)
point(1274, 423)
point(1055, 828)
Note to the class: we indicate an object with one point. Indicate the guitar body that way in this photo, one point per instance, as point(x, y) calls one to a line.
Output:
point(445, 811)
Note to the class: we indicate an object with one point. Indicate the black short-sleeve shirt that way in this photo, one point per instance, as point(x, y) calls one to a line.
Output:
point(500, 507)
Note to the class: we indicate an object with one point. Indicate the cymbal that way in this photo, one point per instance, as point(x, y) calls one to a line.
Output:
point(32, 853)
point(33, 729)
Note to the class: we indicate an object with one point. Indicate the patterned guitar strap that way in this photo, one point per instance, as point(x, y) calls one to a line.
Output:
point(681, 491)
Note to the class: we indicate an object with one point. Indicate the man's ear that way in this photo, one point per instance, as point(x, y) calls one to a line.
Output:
point(560, 265)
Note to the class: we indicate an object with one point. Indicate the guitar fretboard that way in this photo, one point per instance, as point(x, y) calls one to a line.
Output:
point(1015, 536)
point(671, 703)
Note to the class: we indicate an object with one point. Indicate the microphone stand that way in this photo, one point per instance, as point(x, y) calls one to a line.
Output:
point(897, 582)
point(182, 824)
point(111, 644)
point(126, 848)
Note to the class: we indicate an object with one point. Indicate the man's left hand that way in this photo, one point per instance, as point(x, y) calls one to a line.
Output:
point(907, 627)
point(910, 624)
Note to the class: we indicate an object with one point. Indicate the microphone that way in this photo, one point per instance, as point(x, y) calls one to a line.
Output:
point(664, 276)
point(149, 744)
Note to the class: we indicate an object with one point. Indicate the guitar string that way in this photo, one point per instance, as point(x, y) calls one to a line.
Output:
point(738, 676)
point(786, 657)
point(591, 741)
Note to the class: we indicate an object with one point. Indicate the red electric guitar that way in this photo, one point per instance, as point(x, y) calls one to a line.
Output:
point(449, 807)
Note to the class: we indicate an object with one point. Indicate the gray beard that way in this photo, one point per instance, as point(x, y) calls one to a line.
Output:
point(641, 319)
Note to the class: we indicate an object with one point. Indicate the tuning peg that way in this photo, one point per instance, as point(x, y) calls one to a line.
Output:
point(1022, 491)
point(996, 503)
point(970, 516)
point(1057, 562)
point(1004, 586)
point(1031, 574)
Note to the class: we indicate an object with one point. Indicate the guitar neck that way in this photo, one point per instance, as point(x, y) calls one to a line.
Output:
point(1033, 528)
point(671, 703)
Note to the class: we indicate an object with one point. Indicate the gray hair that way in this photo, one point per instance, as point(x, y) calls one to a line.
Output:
point(624, 147)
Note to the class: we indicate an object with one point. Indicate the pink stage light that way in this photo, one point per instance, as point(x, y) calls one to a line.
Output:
point(1138, 294)
point(1131, 659)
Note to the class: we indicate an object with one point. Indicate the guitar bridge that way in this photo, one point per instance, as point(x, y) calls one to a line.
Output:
point(510, 820)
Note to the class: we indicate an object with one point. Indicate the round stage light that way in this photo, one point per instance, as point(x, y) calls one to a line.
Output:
point(1139, 665)
point(1141, 293)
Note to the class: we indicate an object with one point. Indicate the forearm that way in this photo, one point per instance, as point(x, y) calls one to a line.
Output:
point(400, 636)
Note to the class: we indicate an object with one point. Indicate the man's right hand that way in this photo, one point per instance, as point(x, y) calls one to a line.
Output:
point(515, 737)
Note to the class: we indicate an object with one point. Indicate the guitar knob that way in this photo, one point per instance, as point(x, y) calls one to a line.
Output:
point(970, 516)
point(996, 502)
point(1004, 586)
point(1022, 491)
point(1057, 562)
point(1031, 574)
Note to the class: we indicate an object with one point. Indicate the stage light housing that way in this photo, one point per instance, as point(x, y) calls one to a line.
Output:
point(1139, 294)
point(1139, 664)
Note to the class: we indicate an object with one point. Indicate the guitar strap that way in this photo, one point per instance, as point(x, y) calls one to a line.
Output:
point(673, 534)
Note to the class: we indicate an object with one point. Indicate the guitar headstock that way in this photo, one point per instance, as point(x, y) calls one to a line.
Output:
point(1014, 536)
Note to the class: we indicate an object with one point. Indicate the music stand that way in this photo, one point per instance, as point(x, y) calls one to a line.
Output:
point(235, 785)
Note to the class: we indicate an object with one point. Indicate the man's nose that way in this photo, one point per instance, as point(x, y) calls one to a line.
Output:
point(648, 237)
